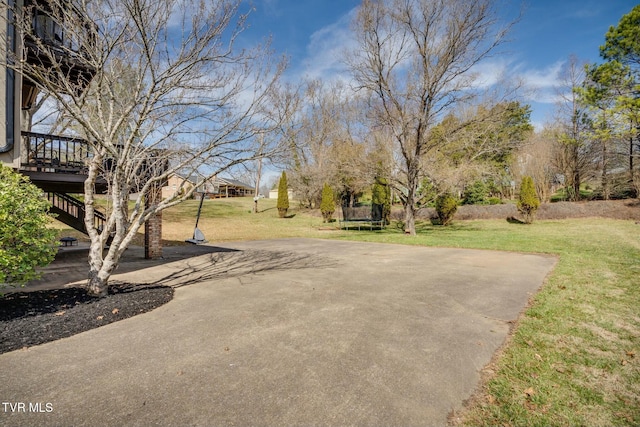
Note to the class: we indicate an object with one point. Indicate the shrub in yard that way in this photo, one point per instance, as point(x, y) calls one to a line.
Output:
point(475, 194)
point(283, 196)
point(528, 201)
point(427, 193)
point(446, 207)
point(327, 205)
point(25, 240)
point(381, 199)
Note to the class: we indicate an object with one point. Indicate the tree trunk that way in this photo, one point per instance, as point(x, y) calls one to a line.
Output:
point(97, 282)
point(410, 202)
point(256, 193)
point(605, 178)
point(96, 286)
point(101, 267)
point(409, 220)
point(576, 186)
point(410, 212)
point(632, 173)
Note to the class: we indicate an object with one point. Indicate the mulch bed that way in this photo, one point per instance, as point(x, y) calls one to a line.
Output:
point(37, 317)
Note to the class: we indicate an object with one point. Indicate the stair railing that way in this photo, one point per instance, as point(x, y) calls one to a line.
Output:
point(75, 208)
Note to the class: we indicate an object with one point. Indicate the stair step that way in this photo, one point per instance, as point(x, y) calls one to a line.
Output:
point(71, 212)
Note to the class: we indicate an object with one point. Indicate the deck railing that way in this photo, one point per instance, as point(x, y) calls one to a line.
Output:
point(53, 153)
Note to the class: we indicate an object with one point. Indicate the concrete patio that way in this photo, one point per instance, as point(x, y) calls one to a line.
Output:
point(285, 332)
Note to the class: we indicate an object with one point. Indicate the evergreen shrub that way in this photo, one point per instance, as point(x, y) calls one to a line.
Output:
point(327, 205)
point(283, 196)
point(475, 194)
point(528, 201)
point(25, 240)
point(446, 207)
point(381, 199)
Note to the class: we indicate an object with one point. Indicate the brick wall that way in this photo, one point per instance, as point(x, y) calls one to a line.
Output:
point(153, 227)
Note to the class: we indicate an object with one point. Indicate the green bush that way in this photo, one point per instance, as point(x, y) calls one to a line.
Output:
point(381, 199)
point(283, 196)
point(25, 240)
point(427, 193)
point(494, 201)
point(446, 207)
point(327, 205)
point(528, 201)
point(475, 194)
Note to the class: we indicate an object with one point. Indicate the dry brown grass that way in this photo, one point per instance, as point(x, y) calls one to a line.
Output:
point(224, 220)
point(614, 209)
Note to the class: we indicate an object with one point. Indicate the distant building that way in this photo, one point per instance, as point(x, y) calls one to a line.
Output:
point(231, 188)
point(217, 187)
point(273, 194)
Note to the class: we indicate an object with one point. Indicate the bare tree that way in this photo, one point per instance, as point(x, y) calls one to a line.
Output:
point(535, 158)
point(168, 91)
point(327, 142)
point(309, 163)
point(575, 156)
point(417, 58)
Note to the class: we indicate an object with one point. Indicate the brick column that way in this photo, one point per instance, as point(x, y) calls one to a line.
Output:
point(153, 227)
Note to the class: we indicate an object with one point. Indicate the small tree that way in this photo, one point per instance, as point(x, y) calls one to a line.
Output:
point(418, 58)
point(446, 207)
point(381, 199)
point(283, 196)
point(171, 93)
point(328, 205)
point(475, 194)
point(528, 201)
point(25, 240)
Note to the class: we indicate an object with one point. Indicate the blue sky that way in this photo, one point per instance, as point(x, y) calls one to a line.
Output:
point(314, 33)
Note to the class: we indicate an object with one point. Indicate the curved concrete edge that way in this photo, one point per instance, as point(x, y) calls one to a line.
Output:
point(286, 332)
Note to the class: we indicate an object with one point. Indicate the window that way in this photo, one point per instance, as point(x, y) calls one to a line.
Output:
point(47, 29)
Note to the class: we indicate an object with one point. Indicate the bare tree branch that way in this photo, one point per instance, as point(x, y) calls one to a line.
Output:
point(156, 87)
point(417, 59)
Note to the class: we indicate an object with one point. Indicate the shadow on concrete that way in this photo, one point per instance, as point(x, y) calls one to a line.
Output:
point(70, 265)
point(233, 263)
point(181, 265)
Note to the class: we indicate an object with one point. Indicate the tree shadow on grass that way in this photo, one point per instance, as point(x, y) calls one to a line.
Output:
point(514, 220)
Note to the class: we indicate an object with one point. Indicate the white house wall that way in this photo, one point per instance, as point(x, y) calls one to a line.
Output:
point(10, 158)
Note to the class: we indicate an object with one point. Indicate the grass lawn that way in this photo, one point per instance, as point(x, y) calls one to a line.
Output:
point(574, 356)
point(573, 359)
point(223, 220)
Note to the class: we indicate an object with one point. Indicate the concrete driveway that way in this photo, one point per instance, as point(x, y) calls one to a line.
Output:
point(285, 332)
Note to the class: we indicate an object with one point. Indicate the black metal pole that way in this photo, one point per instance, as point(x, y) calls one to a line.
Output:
point(199, 210)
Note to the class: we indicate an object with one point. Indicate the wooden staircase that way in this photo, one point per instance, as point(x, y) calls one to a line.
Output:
point(70, 211)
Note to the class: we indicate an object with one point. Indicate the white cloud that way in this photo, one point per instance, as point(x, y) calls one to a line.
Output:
point(490, 73)
point(272, 7)
point(543, 84)
point(326, 50)
point(539, 85)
